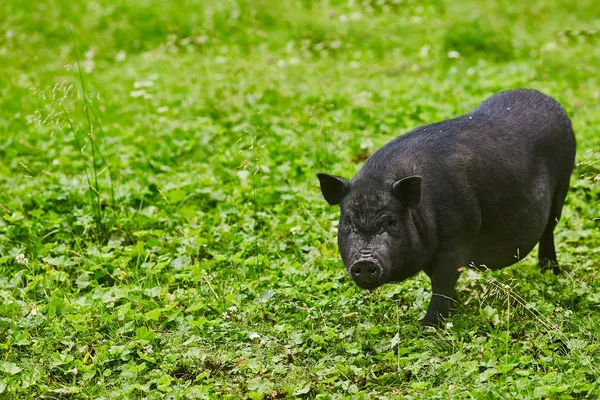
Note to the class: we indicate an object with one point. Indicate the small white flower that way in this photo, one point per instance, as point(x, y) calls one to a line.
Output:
point(137, 93)
point(232, 309)
point(142, 84)
point(10, 34)
point(91, 53)
point(140, 93)
point(21, 259)
point(88, 65)
point(336, 44)
point(121, 56)
point(253, 335)
point(225, 316)
point(449, 325)
point(355, 16)
point(453, 54)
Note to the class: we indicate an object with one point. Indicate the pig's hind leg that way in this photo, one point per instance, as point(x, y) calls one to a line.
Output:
point(547, 251)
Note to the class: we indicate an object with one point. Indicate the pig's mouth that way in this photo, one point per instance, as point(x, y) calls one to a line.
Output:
point(368, 286)
point(366, 273)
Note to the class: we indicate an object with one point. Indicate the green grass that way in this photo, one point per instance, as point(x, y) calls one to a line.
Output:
point(177, 243)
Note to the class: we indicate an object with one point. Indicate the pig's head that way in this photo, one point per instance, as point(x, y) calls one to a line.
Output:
point(375, 232)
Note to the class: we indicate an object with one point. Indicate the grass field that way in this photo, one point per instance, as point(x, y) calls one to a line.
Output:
point(162, 232)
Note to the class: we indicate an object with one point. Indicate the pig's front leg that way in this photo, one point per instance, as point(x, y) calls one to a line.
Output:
point(443, 295)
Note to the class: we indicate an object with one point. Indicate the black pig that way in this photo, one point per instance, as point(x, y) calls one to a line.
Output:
point(479, 189)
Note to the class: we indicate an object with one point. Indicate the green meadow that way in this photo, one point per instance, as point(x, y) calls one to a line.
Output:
point(162, 231)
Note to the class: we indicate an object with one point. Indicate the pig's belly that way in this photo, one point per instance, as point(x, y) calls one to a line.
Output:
point(506, 237)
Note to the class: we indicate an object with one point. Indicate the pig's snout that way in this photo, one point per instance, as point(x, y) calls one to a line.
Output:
point(367, 274)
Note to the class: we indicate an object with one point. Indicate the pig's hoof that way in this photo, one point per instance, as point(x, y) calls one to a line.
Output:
point(548, 265)
point(432, 321)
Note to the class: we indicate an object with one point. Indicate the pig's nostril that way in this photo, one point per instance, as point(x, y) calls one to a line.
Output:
point(366, 274)
point(365, 271)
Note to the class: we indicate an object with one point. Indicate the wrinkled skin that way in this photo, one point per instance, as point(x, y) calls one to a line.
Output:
point(481, 189)
point(374, 233)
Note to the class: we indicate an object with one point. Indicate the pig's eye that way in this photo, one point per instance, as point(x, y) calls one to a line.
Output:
point(351, 226)
point(386, 223)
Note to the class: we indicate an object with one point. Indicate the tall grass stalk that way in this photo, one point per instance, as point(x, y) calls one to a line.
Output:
point(253, 166)
point(93, 193)
point(94, 189)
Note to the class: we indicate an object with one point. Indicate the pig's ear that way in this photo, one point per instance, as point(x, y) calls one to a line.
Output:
point(408, 190)
point(334, 188)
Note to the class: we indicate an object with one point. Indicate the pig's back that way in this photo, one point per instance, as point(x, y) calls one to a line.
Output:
point(515, 126)
point(527, 117)
point(519, 134)
point(513, 132)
